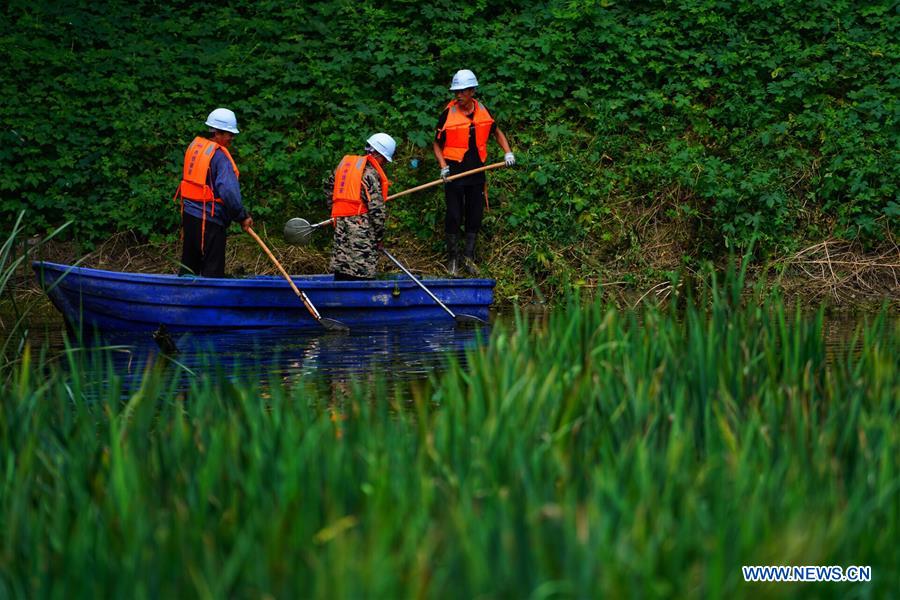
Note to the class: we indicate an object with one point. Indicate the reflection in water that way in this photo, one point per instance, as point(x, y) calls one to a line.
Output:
point(397, 353)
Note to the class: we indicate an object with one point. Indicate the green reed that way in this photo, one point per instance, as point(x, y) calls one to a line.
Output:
point(14, 254)
point(605, 453)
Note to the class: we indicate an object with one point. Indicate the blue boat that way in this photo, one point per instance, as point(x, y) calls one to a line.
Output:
point(109, 300)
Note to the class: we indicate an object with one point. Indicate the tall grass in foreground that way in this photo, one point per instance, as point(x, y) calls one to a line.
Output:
point(609, 454)
point(13, 334)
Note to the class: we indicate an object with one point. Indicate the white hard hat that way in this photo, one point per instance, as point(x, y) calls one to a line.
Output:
point(463, 79)
point(384, 144)
point(223, 119)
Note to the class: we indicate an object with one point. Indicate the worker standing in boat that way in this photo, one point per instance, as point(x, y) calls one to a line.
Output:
point(358, 190)
point(460, 144)
point(210, 197)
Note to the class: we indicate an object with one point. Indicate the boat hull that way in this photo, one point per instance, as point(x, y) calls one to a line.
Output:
point(109, 300)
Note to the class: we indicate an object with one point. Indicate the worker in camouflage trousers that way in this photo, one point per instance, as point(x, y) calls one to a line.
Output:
point(358, 190)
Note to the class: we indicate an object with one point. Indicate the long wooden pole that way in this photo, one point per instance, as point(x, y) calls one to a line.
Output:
point(418, 188)
point(327, 323)
point(451, 178)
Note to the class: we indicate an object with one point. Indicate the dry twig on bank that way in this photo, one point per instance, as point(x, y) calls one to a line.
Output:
point(840, 269)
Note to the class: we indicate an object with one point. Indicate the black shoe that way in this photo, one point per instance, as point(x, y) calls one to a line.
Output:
point(469, 266)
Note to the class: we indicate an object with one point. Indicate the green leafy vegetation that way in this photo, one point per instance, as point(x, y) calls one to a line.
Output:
point(649, 454)
point(733, 119)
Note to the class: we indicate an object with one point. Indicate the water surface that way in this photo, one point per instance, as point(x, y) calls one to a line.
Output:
point(398, 354)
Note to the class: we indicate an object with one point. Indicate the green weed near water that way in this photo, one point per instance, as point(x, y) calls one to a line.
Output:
point(14, 254)
point(605, 455)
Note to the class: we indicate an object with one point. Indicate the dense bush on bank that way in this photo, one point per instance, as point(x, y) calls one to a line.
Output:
point(776, 117)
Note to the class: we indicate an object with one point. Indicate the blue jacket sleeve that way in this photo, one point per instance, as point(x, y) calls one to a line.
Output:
point(227, 187)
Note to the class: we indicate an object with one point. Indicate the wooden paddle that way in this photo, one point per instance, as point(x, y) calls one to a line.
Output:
point(324, 322)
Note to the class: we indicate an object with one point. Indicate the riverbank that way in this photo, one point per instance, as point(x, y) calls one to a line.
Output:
point(839, 274)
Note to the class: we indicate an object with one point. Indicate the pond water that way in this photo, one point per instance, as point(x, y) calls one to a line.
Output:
point(399, 353)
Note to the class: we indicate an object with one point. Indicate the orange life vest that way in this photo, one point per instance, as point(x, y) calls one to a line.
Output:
point(193, 184)
point(457, 129)
point(345, 198)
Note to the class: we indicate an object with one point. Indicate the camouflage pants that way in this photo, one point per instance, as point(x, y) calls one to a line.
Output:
point(354, 251)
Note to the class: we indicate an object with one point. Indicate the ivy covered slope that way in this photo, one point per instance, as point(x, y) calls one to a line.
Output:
point(723, 118)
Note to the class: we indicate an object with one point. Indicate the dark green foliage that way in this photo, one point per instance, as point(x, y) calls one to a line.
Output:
point(767, 117)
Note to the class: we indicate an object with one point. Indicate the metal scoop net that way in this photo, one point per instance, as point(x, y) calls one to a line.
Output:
point(297, 230)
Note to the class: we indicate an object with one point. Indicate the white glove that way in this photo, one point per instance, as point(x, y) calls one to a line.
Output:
point(445, 173)
point(510, 159)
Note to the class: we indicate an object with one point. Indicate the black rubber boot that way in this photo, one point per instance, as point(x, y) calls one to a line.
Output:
point(469, 255)
point(452, 255)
